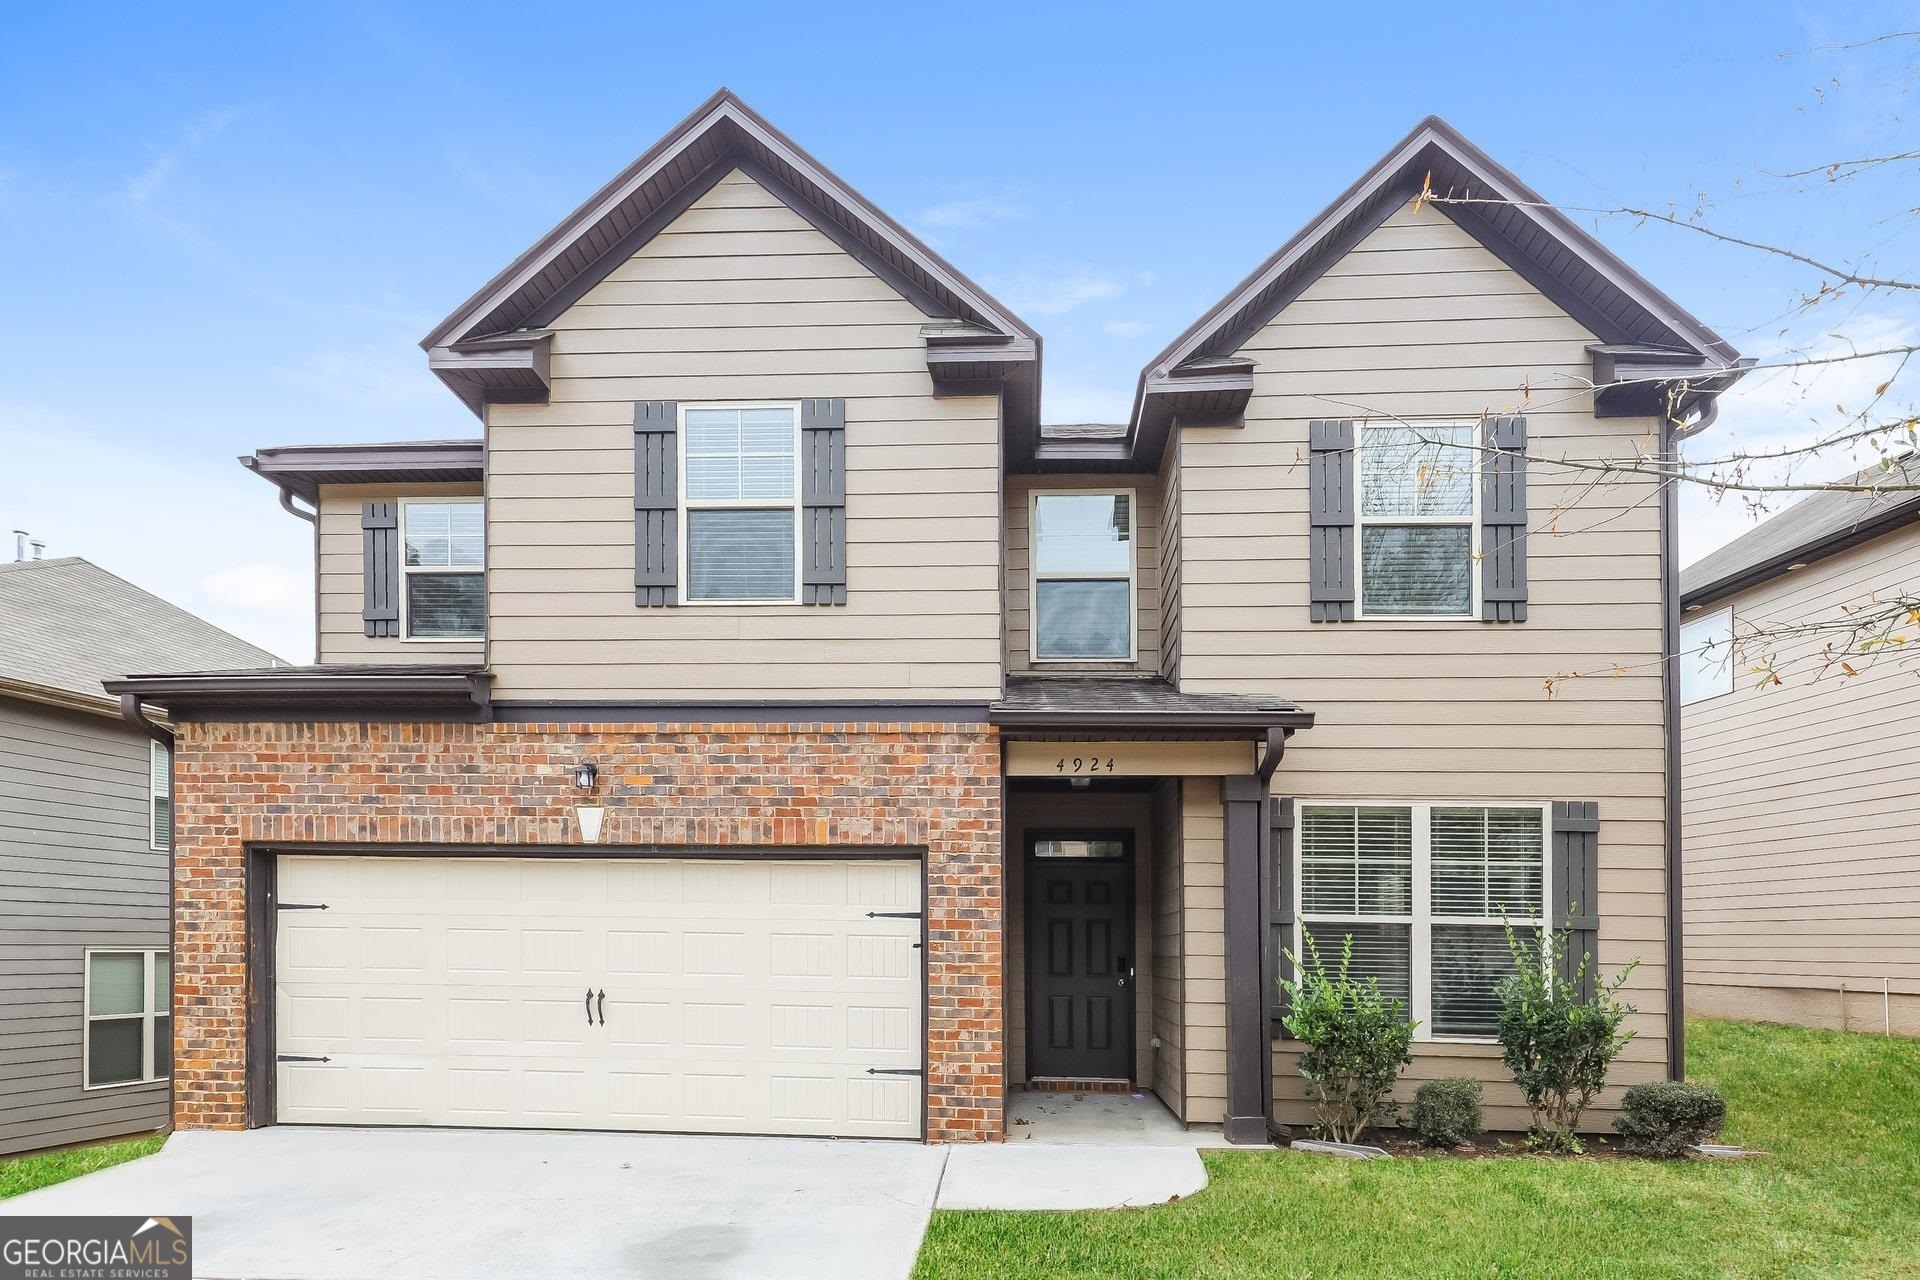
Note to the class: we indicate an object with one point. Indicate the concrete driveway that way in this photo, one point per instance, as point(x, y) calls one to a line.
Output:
point(396, 1204)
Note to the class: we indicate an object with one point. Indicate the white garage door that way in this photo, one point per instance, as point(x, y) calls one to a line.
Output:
point(741, 996)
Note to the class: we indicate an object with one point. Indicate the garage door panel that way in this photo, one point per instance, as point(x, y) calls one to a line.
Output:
point(741, 995)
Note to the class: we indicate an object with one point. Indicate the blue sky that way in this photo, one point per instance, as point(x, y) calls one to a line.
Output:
point(223, 227)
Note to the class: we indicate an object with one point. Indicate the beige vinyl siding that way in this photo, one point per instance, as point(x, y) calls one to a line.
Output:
point(1421, 321)
point(342, 634)
point(740, 299)
point(1147, 572)
point(1801, 873)
point(1169, 948)
point(1170, 562)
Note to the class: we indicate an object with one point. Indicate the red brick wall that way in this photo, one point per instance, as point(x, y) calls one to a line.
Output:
point(931, 785)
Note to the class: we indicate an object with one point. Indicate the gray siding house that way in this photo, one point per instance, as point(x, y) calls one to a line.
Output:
point(85, 853)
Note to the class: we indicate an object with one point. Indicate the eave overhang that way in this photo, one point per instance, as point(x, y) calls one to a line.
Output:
point(1513, 222)
point(1135, 707)
point(317, 693)
point(1895, 515)
point(299, 470)
point(492, 347)
point(65, 699)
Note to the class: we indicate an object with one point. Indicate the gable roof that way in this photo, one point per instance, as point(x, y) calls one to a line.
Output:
point(1821, 524)
point(1636, 323)
point(494, 344)
point(67, 624)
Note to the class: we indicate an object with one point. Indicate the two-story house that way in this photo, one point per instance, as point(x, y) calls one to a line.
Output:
point(767, 725)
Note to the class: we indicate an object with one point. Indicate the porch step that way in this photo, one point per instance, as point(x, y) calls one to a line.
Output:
point(1064, 1084)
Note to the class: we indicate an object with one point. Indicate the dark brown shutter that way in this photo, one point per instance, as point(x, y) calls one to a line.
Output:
point(1280, 901)
point(656, 503)
point(1574, 861)
point(823, 501)
point(1503, 522)
point(380, 568)
point(1330, 549)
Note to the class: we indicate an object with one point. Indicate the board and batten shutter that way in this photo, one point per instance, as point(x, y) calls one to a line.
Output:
point(1280, 902)
point(1330, 549)
point(656, 503)
point(1574, 861)
point(823, 501)
point(1503, 522)
point(380, 568)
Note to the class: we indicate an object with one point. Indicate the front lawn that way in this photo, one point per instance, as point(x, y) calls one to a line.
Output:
point(21, 1174)
point(1839, 1196)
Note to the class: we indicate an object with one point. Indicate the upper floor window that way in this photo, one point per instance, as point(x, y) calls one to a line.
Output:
point(128, 1022)
point(1706, 656)
point(1418, 510)
point(740, 481)
point(445, 569)
point(1083, 575)
point(159, 797)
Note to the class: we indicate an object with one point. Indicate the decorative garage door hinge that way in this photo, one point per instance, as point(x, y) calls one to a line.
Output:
point(298, 1057)
point(895, 1071)
point(893, 915)
point(300, 906)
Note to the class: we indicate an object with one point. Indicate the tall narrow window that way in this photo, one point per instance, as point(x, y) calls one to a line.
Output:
point(129, 1028)
point(1706, 656)
point(159, 796)
point(1083, 564)
point(1425, 892)
point(445, 563)
point(1417, 511)
point(740, 467)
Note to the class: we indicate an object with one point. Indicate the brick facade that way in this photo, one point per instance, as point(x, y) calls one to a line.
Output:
point(935, 786)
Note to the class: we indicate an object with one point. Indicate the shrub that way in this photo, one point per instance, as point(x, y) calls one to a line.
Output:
point(1668, 1116)
point(1557, 1041)
point(1357, 1039)
point(1446, 1113)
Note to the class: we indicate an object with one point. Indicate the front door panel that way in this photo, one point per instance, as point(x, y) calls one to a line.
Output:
point(1079, 979)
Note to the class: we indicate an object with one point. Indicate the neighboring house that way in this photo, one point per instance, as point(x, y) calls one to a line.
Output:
point(85, 837)
point(768, 726)
point(1802, 880)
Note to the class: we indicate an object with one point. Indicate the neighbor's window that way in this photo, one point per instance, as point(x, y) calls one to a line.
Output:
point(446, 596)
point(159, 798)
point(740, 481)
point(1706, 656)
point(1425, 891)
point(129, 1030)
point(1083, 577)
point(1418, 506)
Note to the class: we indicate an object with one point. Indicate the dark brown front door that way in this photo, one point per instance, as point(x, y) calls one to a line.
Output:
point(1080, 956)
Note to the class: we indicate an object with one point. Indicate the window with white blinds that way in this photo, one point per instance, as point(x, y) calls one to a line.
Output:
point(444, 564)
point(740, 490)
point(1418, 510)
point(1425, 892)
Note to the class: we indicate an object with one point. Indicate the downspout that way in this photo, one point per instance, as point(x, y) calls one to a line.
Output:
point(136, 715)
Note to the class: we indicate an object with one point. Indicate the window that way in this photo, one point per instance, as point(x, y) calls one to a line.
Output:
point(159, 796)
point(1706, 656)
point(1064, 847)
point(129, 1027)
point(1418, 510)
point(739, 474)
point(1425, 892)
point(446, 596)
point(1083, 577)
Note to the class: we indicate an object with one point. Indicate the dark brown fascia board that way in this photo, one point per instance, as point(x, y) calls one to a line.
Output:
point(302, 695)
point(301, 469)
point(1892, 518)
point(748, 711)
point(1399, 174)
point(732, 120)
point(496, 366)
point(1249, 723)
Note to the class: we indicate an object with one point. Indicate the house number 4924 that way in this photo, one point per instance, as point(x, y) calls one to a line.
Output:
point(1083, 764)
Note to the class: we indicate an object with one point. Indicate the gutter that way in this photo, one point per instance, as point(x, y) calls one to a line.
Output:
point(136, 715)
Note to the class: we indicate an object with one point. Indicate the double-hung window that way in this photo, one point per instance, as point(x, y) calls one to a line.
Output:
point(1083, 577)
point(1425, 891)
point(739, 471)
point(1418, 510)
point(445, 569)
point(159, 797)
point(129, 1027)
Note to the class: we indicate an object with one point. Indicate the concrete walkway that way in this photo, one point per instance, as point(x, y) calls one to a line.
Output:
point(445, 1204)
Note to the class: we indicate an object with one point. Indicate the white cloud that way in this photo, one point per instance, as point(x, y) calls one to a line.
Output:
point(1056, 290)
point(1062, 401)
point(143, 186)
point(971, 213)
point(378, 376)
point(271, 589)
point(1127, 328)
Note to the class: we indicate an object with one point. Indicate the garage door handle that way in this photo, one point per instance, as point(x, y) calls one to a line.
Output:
point(603, 1008)
point(589, 1006)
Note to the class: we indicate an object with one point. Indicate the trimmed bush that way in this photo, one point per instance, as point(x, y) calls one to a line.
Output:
point(1357, 1038)
point(1668, 1116)
point(1446, 1113)
point(1557, 1040)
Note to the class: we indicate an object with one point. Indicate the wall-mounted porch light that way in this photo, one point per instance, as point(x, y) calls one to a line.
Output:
point(584, 776)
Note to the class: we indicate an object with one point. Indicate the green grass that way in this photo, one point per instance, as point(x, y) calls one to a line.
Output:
point(21, 1174)
point(1839, 1196)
